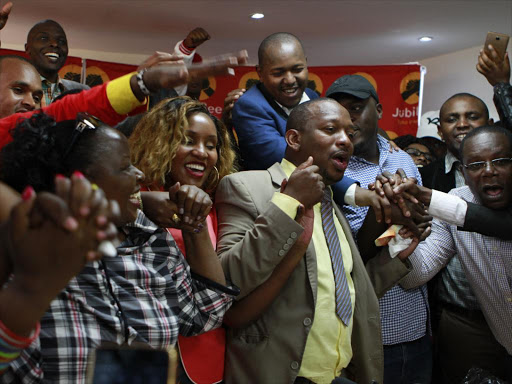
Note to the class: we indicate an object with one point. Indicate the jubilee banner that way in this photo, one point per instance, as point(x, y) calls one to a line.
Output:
point(398, 86)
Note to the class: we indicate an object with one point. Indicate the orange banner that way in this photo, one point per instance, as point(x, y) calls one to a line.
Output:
point(397, 86)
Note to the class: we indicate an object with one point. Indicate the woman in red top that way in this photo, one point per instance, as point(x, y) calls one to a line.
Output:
point(185, 150)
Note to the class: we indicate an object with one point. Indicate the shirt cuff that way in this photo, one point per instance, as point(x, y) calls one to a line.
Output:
point(229, 289)
point(120, 95)
point(183, 50)
point(350, 195)
point(449, 208)
point(286, 203)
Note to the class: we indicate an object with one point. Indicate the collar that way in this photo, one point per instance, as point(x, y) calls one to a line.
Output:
point(449, 161)
point(141, 225)
point(288, 167)
point(382, 145)
point(303, 99)
point(45, 80)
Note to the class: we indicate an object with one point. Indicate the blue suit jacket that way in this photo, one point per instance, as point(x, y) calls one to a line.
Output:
point(260, 125)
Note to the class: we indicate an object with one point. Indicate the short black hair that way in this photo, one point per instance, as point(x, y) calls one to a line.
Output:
point(405, 140)
point(31, 31)
point(15, 57)
point(301, 114)
point(465, 94)
point(436, 147)
point(492, 129)
point(38, 152)
point(274, 39)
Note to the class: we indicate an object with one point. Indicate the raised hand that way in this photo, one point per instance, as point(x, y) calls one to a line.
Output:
point(159, 208)
point(193, 205)
point(221, 65)
point(305, 184)
point(495, 68)
point(51, 237)
point(4, 14)
point(229, 103)
point(160, 58)
point(195, 38)
point(171, 75)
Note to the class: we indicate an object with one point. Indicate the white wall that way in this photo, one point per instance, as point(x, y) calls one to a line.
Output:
point(453, 73)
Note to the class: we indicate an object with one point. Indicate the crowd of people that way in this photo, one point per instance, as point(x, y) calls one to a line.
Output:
point(290, 241)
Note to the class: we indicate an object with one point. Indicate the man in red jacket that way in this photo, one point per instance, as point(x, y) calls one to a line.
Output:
point(21, 91)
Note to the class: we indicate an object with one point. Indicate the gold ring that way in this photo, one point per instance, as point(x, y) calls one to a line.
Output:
point(176, 219)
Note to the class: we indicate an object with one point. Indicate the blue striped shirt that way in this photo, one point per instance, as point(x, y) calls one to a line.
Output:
point(404, 313)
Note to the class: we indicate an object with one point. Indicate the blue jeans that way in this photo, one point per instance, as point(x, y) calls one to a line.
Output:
point(408, 363)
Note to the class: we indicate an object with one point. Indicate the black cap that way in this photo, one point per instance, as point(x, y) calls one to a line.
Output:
point(354, 85)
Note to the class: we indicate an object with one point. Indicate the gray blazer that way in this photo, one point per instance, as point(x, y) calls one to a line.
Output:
point(70, 84)
point(251, 238)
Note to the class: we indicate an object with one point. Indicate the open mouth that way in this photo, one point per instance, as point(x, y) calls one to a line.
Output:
point(340, 160)
point(52, 56)
point(290, 91)
point(195, 169)
point(493, 191)
point(135, 198)
point(460, 137)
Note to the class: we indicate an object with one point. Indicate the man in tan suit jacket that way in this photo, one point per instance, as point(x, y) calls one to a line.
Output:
point(255, 235)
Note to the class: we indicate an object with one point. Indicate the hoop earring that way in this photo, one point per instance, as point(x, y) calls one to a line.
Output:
point(213, 184)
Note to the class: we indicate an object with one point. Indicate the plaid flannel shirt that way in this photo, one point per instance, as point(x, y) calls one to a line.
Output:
point(158, 296)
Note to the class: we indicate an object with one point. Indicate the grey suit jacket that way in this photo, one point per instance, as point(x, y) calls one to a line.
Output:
point(70, 84)
point(252, 236)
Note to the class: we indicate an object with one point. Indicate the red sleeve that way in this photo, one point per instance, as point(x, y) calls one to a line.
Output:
point(94, 101)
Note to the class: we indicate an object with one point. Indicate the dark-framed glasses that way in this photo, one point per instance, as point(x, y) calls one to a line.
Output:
point(84, 121)
point(501, 163)
point(417, 152)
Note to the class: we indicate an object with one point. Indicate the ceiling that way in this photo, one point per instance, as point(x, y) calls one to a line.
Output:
point(333, 32)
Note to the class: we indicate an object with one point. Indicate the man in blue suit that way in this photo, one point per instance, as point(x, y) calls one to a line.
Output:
point(260, 115)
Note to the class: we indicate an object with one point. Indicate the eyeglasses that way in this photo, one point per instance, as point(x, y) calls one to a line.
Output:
point(500, 164)
point(417, 152)
point(84, 121)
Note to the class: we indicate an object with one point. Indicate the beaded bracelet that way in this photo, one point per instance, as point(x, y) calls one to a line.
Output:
point(12, 344)
point(140, 82)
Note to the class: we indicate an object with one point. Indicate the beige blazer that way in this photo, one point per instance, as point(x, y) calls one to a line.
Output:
point(252, 236)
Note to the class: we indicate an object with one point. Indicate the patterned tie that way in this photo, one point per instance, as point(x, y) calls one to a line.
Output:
point(343, 301)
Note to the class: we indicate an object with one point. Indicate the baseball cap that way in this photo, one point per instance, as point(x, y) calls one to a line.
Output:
point(354, 85)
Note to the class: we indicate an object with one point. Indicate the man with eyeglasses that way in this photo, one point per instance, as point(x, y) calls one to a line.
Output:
point(420, 154)
point(486, 261)
point(450, 293)
point(416, 148)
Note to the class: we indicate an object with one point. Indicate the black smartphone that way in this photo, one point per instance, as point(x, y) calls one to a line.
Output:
point(128, 365)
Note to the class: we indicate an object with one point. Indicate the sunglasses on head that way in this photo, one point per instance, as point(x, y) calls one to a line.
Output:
point(84, 121)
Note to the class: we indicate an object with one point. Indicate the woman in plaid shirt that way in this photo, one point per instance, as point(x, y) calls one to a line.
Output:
point(147, 294)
